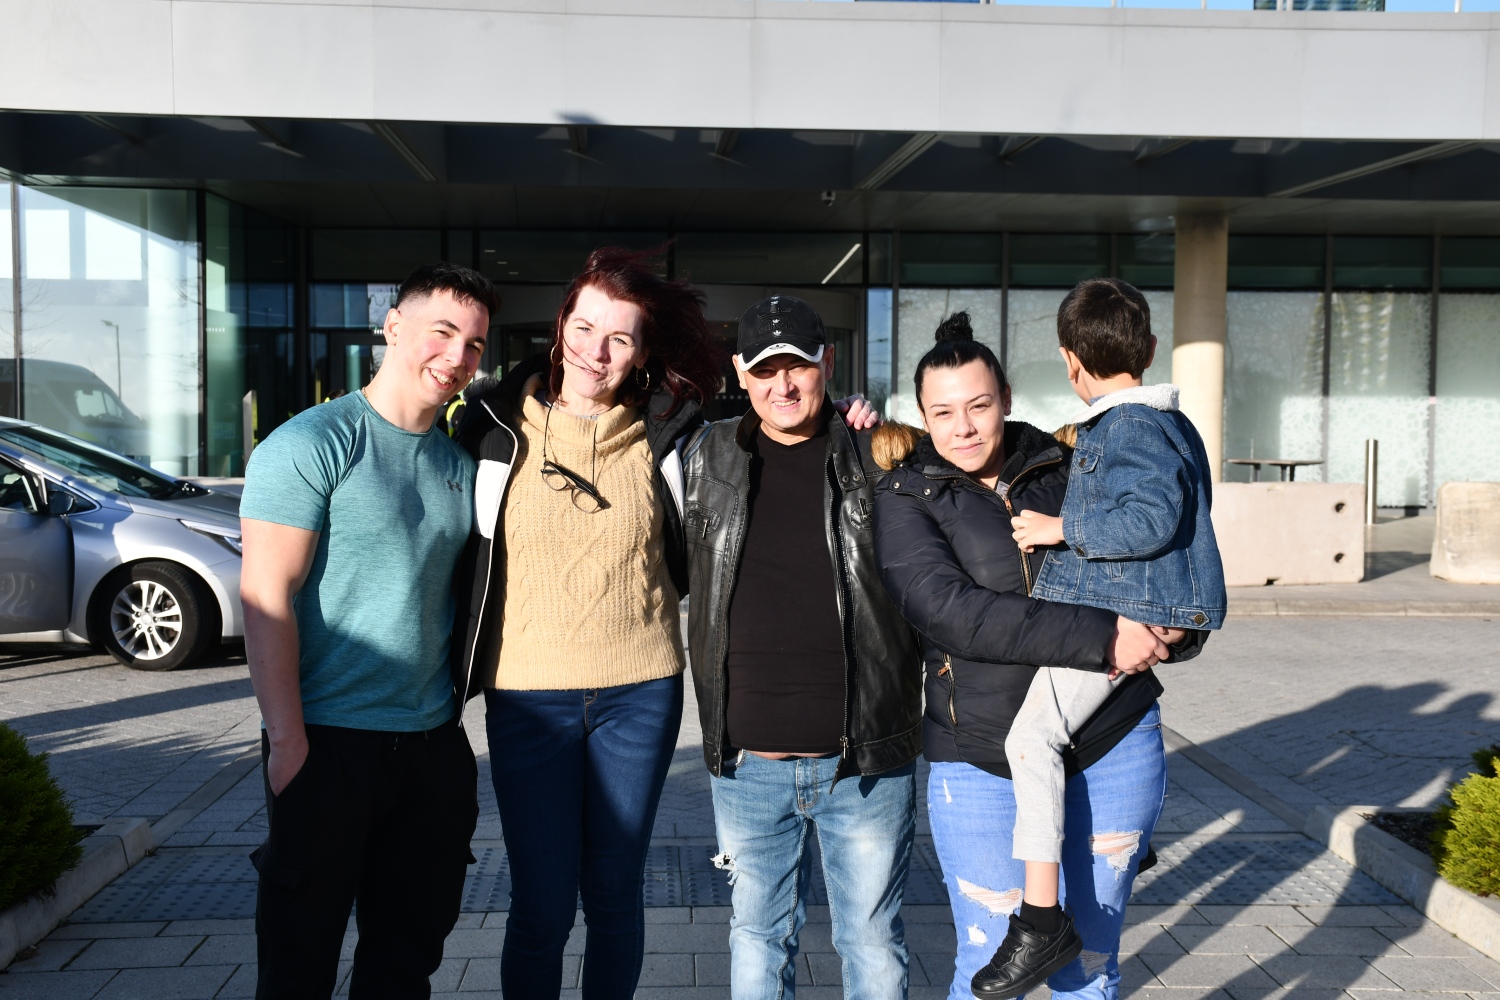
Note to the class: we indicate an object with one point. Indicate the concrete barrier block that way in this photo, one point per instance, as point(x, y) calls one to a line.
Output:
point(1466, 539)
point(135, 836)
point(1290, 533)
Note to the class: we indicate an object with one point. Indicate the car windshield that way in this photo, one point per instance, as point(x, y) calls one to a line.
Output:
point(99, 468)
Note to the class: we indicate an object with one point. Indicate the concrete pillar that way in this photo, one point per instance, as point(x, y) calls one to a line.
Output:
point(1199, 325)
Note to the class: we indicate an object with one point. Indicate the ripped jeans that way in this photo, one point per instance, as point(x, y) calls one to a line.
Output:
point(1112, 809)
point(764, 811)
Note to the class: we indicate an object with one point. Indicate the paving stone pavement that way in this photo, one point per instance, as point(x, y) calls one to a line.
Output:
point(1241, 907)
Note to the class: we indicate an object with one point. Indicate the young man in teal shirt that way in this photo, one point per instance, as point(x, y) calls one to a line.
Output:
point(354, 515)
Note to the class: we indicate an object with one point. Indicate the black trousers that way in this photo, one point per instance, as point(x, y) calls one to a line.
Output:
point(381, 820)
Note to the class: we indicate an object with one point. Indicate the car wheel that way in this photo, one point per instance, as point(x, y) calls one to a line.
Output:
point(154, 616)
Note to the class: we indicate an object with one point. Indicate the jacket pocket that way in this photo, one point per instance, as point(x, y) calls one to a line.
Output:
point(700, 521)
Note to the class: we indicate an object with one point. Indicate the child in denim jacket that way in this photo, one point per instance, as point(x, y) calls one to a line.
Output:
point(1134, 538)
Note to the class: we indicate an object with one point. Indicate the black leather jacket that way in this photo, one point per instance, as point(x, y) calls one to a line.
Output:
point(883, 686)
point(487, 433)
point(950, 564)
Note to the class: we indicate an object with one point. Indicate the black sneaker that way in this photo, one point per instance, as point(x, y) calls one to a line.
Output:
point(1026, 958)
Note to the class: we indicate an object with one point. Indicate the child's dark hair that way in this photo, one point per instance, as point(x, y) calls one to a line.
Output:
point(956, 347)
point(463, 283)
point(1106, 322)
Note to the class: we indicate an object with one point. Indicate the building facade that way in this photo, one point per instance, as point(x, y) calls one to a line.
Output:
point(197, 243)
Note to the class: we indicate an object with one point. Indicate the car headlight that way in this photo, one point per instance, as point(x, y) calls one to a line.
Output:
point(227, 537)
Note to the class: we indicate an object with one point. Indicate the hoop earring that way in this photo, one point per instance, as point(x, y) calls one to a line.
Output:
point(644, 384)
point(552, 354)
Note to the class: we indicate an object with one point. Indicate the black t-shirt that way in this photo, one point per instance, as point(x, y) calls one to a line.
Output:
point(786, 649)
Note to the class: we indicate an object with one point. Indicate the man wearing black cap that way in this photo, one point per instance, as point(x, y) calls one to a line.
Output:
point(808, 679)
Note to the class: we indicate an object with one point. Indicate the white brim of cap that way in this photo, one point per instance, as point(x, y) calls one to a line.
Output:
point(779, 348)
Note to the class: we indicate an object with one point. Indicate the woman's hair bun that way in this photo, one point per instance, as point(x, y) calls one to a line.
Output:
point(955, 327)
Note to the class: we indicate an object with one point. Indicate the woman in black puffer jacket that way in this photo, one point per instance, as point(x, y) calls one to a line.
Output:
point(947, 558)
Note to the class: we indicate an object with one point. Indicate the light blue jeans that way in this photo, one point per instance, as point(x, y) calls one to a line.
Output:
point(764, 811)
point(1111, 811)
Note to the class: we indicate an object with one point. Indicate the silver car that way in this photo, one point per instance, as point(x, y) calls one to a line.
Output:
point(97, 548)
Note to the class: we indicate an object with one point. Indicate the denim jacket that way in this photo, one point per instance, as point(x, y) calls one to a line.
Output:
point(1139, 541)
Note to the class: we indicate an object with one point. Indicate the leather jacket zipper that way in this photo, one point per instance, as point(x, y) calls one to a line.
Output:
point(843, 581)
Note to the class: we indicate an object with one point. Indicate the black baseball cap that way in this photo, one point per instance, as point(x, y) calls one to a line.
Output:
point(780, 325)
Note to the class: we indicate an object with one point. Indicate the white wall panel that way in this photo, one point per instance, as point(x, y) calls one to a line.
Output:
point(87, 55)
point(731, 63)
point(700, 78)
point(835, 73)
point(1030, 78)
point(1357, 82)
point(469, 66)
point(287, 60)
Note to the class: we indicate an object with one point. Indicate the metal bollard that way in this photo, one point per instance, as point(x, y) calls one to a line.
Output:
point(1372, 473)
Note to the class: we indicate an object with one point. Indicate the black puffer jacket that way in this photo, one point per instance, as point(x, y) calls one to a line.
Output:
point(949, 562)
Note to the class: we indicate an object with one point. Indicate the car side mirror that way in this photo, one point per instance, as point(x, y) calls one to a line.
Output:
point(60, 503)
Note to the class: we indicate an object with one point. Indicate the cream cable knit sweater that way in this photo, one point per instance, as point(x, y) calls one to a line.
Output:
point(588, 599)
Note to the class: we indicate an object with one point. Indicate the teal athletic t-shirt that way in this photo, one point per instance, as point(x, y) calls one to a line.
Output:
point(393, 510)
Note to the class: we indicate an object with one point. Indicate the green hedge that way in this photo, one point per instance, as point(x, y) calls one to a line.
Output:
point(1466, 840)
point(37, 839)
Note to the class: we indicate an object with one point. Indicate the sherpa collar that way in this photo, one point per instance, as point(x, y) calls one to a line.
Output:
point(1158, 397)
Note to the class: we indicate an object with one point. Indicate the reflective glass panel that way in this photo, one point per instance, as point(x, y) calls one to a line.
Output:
point(1040, 391)
point(1468, 388)
point(8, 385)
point(921, 310)
point(1147, 260)
point(1382, 262)
point(520, 256)
point(251, 356)
point(1277, 261)
point(1378, 389)
point(878, 348)
point(1057, 260)
point(951, 258)
point(1273, 380)
point(1470, 262)
point(109, 302)
point(372, 254)
point(771, 258)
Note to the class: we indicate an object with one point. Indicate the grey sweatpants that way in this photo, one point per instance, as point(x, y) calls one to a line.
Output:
point(1058, 702)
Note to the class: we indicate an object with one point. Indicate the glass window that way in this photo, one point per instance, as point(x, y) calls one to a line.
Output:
point(1040, 393)
point(251, 355)
point(1382, 262)
point(8, 395)
point(879, 254)
point(372, 254)
point(1468, 387)
point(951, 258)
point(770, 258)
point(1277, 262)
point(1470, 262)
point(1378, 368)
point(878, 348)
point(1148, 261)
point(517, 256)
point(921, 310)
point(110, 358)
point(1056, 260)
point(1273, 379)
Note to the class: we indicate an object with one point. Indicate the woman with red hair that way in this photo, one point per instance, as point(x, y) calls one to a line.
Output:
point(572, 581)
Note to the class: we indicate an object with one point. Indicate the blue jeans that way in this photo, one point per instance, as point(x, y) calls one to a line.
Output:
point(763, 812)
point(1112, 809)
point(578, 775)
